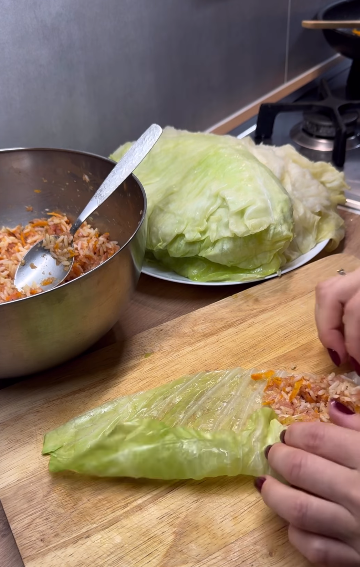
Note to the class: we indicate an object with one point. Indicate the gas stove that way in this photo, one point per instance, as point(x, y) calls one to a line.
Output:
point(320, 122)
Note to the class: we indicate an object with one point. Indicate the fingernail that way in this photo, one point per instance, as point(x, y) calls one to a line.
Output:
point(282, 436)
point(355, 365)
point(334, 357)
point(267, 449)
point(341, 407)
point(258, 483)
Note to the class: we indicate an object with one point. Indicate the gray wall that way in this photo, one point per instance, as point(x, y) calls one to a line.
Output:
point(91, 74)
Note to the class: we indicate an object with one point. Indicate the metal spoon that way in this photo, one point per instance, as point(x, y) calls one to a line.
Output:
point(38, 266)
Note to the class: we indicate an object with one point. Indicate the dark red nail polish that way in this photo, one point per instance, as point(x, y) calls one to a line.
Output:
point(267, 449)
point(258, 483)
point(341, 407)
point(355, 365)
point(334, 356)
point(282, 436)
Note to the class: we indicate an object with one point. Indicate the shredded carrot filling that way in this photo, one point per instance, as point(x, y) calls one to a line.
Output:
point(301, 398)
point(87, 253)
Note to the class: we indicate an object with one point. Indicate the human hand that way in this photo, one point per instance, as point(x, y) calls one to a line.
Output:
point(337, 315)
point(321, 462)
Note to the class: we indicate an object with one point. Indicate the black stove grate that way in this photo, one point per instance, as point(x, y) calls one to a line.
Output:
point(328, 104)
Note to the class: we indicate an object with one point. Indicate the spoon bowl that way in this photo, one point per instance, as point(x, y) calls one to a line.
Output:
point(38, 268)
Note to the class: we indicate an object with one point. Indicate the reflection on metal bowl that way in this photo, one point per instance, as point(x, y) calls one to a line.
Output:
point(44, 330)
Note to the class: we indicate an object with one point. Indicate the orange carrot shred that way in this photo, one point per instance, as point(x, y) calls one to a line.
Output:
point(55, 215)
point(15, 295)
point(47, 281)
point(272, 382)
point(263, 375)
point(296, 389)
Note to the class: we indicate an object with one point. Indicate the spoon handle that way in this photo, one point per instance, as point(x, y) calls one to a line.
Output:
point(121, 171)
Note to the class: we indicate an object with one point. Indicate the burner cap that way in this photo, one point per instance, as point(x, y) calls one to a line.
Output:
point(321, 125)
point(305, 140)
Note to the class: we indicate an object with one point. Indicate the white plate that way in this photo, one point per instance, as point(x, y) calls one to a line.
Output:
point(164, 274)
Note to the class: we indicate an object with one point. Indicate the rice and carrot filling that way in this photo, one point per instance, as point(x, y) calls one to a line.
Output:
point(306, 397)
point(90, 249)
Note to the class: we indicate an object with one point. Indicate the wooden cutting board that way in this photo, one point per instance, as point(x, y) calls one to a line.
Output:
point(67, 520)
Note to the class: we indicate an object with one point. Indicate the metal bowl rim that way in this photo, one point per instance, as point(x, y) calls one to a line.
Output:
point(4, 150)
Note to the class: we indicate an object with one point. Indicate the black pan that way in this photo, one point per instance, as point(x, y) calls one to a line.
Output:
point(344, 41)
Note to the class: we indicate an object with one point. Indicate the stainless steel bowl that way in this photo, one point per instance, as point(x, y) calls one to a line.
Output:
point(47, 329)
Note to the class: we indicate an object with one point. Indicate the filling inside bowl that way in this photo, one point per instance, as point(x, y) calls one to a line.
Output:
point(90, 248)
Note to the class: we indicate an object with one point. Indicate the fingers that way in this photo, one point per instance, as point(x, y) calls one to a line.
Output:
point(323, 551)
point(307, 512)
point(328, 315)
point(316, 475)
point(326, 440)
point(329, 324)
point(331, 296)
point(341, 416)
point(351, 320)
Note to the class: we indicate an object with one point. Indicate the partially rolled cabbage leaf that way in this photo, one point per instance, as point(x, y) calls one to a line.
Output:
point(206, 425)
point(216, 213)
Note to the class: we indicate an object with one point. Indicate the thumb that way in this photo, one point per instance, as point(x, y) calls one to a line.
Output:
point(344, 416)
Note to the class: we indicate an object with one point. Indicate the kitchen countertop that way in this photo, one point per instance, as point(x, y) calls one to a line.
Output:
point(156, 302)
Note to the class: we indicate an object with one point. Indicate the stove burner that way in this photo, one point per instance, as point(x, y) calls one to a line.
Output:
point(320, 125)
point(317, 131)
point(306, 140)
point(329, 124)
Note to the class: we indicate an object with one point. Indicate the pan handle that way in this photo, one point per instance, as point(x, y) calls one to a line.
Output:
point(330, 24)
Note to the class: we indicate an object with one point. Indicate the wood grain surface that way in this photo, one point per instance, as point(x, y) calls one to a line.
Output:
point(69, 520)
point(9, 553)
